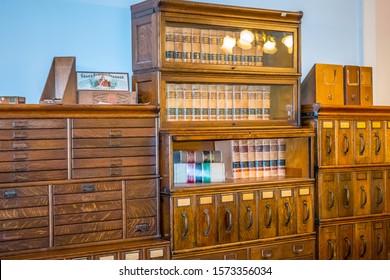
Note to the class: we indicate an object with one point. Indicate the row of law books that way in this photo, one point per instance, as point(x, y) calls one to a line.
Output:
point(253, 158)
point(198, 167)
point(196, 45)
point(208, 102)
point(12, 100)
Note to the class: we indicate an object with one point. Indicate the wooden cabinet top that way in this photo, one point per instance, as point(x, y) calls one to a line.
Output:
point(77, 111)
point(345, 111)
point(199, 8)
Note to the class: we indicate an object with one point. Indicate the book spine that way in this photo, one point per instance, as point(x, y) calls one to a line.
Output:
point(236, 160)
point(244, 102)
point(187, 89)
point(212, 102)
point(206, 172)
point(266, 90)
point(273, 155)
point(252, 109)
point(196, 102)
point(259, 158)
point(205, 46)
point(195, 47)
point(178, 40)
point(259, 103)
point(229, 56)
point(259, 43)
point(213, 46)
point(251, 158)
point(281, 157)
point(244, 158)
point(204, 102)
point(180, 102)
point(217, 171)
point(169, 43)
point(190, 173)
point(229, 101)
point(237, 102)
point(179, 173)
point(171, 102)
point(187, 43)
point(198, 173)
point(221, 103)
point(221, 56)
point(266, 158)
point(237, 50)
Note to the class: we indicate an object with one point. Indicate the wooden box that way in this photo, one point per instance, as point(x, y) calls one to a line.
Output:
point(352, 85)
point(323, 84)
point(106, 97)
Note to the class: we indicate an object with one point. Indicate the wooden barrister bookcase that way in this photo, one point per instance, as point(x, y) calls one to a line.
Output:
point(353, 180)
point(224, 79)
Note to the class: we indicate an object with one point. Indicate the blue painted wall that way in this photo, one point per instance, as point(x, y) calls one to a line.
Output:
point(98, 34)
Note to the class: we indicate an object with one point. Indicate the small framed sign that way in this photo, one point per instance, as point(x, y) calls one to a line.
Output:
point(103, 81)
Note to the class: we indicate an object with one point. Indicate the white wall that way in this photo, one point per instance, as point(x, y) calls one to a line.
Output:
point(97, 32)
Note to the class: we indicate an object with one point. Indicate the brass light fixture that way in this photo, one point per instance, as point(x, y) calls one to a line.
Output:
point(288, 41)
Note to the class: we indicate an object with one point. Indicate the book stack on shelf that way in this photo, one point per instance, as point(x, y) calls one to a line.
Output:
point(12, 100)
point(198, 167)
point(204, 102)
point(212, 46)
point(253, 158)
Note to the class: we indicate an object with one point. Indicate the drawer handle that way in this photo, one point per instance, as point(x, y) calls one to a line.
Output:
point(298, 248)
point(288, 209)
point(364, 246)
point(19, 124)
point(346, 196)
point(185, 223)
point(328, 144)
point(380, 244)
point(115, 133)
point(20, 177)
point(363, 197)
point(307, 216)
point(115, 172)
point(228, 220)
point(88, 188)
point(362, 144)
point(378, 144)
point(330, 249)
point(346, 144)
point(249, 213)
point(267, 253)
point(115, 143)
point(207, 231)
point(20, 146)
point(116, 162)
point(20, 156)
point(380, 196)
point(331, 200)
point(21, 166)
point(142, 228)
point(367, 97)
point(348, 247)
point(20, 134)
point(10, 194)
point(330, 96)
point(269, 216)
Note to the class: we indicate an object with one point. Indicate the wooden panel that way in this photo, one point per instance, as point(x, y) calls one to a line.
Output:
point(351, 85)
point(33, 134)
point(287, 216)
point(327, 142)
point(345, 143)
point(113, 172)
point(114, 132)
point(114, 143)
point(34, 176)
point(206, 221)
point(387, 144)
point(138, 208)
point(378, 149)
point(183, 223)
point(87, 237)
point(141, 188)
point(305, 209)
point(227, 217)
point(346, 190)
point(33, 155)
point(113, 162)
point(87, 227)
point(328, 195)
point(267, 214)
point(283, 251)
point(362, 194)
point(362, 142)
point(327, 243)
point(141, 227)
point(13, 224)
point(362, 241)
point(248, 217)
point(109, 123)
point(24, 166)
point(32, 123)
point(22, 145)
point(18, 245)
point(378, 249)
point(114, 152)
point(345, 242)
point(86, 207)
point(378, 192)
point(87, 187)
point(366, 83)
point(85, 217)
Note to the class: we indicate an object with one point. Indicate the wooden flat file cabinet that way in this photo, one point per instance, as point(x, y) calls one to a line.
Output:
point(353, 180)
point(79, 182)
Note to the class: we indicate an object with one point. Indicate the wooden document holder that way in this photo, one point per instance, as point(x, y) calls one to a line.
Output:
point(61, 84)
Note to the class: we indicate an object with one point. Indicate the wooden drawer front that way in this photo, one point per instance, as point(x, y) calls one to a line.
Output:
point(101, 123)
point(248, 219)
point(114, 133)
point(227, 218)
point(327, 143)
point(387, 206)
point(345, 144)
point(327, 243)
point(113, 172)
point(87, 212)
point(25, 166)
point(290, 250)
point(114, 142)
point(141, 227)
point(26, 145)
point(33, 124)
point(362, 241)
point(378, 142)
point(345, 242)
point(362, 142)
point(351, 85)
point(366, 98)
point(114, 162)
point(206, 220)
point(328, 195)
point(362, 194)
point(330, 84)
point(379, 250)
point(378, 192)
point(305, 209)
point(346, 195)
point(114, 152)
point(140, 208)
point(183, 223)
point(268, 214)
point(287, 213)
point(212, 255)
point(24, 219)
point(34, 176)
point(157, 253)
point(33, 134)
point(141, 188)
point(20, 156)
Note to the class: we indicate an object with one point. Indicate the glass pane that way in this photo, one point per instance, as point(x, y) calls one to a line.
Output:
point(215, 45)
point(222, 102)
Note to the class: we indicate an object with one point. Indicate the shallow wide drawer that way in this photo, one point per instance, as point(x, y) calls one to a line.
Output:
point(90, 123)
point(141, 188)
point(33, 134)
point(114, 142)
point(282, 251)
point(24, 166)
point(33, 155)
point(33, 176)
point(82, 238)
point(114, 132)
point(23, 145)
point(141, 227)
point(114, 162)
point(114, 152)
point(32, 123)
point(85, 188)
point(114, 172)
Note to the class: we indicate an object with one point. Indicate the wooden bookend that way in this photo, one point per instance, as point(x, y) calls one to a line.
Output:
point(61, 83)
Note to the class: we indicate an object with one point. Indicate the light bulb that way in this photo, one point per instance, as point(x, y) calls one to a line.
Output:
point(247, 36)
point(288, 41)
point(228, 44)
point(270, 47)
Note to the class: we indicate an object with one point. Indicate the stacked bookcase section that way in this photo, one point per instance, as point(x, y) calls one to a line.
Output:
point(235, 165)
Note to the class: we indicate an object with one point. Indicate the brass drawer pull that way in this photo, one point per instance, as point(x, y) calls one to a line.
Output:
point(228, 220)
point(363, 197)
point(380, 196)
point(298, 248)
point(20, 146)
point(269, 216)
point(346, 144)
point(362, 144)
point(10, 194)
point(249, 213)
point(88, 188)
point(307, 211)
point(380, 244)
point(329, 145)
point(330, 249)
point(331, 200)
point(267, 253)
point(377, 144)
point(346, 196)
point(364, 246)
point(185, 223)
point(142, 228)
point(348, 247)
point(207, 231)
point(288, 218)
